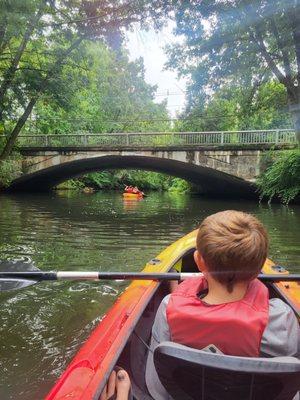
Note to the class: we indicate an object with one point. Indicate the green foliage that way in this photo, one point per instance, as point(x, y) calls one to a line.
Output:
point(43, 50)
point(9, 169)
point(240, 43)
point(179, 186)
point(101, 180)
point(71, 184)
point(282, 178)
point(265, 107)
point(145, 180)
point(262, 107)
point(111, 95)
point(222, 41)
point(118, 179)
point(218, 114)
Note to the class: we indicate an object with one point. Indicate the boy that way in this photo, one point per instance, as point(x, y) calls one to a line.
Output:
point(227, 307)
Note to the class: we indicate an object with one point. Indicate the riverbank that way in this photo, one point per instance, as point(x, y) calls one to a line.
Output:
point(117, 180)
point(281, 177)
point(10, 169)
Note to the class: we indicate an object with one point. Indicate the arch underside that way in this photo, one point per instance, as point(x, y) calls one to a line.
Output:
point(210, 181)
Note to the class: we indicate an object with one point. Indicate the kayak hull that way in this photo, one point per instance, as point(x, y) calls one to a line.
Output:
point(132, 196)
point(121, 335)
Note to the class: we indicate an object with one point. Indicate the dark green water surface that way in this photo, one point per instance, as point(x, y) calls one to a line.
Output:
point(42, 327)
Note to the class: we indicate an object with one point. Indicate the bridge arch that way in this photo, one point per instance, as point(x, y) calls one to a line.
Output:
point(210, 181)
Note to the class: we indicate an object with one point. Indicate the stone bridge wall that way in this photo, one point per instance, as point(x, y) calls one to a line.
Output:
point(243, 164)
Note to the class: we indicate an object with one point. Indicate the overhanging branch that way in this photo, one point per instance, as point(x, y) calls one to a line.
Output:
point(258, 39)
point(282, 48)
point(14, 64)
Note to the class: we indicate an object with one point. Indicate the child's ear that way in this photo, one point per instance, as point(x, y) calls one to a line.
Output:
point(199, 261)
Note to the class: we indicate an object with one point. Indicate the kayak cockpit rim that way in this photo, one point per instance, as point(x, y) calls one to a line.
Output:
point(129, 321)
point(130, 330)
point(188, 251)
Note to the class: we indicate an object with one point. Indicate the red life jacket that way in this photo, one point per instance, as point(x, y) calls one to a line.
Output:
point(236, 328)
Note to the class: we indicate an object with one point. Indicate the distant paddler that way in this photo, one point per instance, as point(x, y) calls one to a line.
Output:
point(133, 193)
point(129, 189)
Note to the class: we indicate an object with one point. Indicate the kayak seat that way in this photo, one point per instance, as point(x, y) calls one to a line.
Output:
point(188, 373)
point(188, 263)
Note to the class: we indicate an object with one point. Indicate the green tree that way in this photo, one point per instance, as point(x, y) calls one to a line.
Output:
point(282, 178)
point(110, 95)
point(264, 108)
point(38, 37)
point(239, 41)
point(239, 108)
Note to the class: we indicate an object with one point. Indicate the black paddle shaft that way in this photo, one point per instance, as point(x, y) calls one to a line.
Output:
point(82, 275)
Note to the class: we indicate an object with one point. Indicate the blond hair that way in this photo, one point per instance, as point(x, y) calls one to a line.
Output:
point(234, 246)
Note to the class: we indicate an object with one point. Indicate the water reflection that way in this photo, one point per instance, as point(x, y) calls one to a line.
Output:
point(42, 326)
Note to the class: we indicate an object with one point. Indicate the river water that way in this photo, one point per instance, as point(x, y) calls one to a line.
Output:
point(43, 326)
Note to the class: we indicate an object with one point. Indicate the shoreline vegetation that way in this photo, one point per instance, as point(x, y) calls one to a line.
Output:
point(10, 169)
point(281, 178)
point(117, 180)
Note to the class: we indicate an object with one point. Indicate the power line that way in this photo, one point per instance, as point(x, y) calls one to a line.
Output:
point(166, 94)
point(91, 119)
point(170, 94)
point(174, 105)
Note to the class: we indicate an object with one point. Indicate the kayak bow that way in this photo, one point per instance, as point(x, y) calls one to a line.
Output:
point(120, 336)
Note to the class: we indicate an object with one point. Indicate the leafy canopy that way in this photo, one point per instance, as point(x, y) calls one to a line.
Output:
point(237, 41)
point(106, 94)
point(38, 38)
point(239, 108)
point(241, 43)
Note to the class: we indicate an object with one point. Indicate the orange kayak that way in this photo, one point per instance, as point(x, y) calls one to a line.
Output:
point(122, 335)
point(132, 196)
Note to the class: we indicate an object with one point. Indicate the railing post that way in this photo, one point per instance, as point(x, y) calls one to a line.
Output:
point(46, 140)
point(222, 137)
point(127, 139)
point(85, 140)
point(277, 136)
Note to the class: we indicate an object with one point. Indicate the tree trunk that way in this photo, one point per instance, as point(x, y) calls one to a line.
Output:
point(10, 72)
point(294, 108)
point(14, 134)
point(295, 111)
point(21, 122)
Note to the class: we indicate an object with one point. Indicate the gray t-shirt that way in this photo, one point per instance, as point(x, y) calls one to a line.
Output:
point(280, 338)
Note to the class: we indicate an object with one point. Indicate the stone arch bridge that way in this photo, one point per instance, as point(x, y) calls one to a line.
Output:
point(220, 163)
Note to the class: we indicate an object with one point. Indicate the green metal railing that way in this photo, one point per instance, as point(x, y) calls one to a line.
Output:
point(158, 139)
